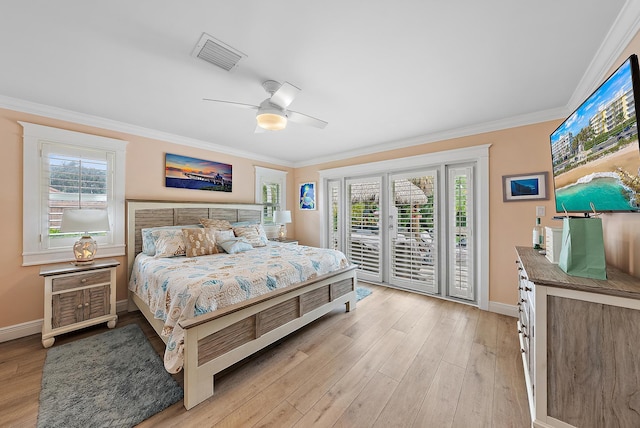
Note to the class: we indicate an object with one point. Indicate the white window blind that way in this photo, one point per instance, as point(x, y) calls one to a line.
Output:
point(74, 178)
point(271, 191)
point(271, 199)
point(334, 220)
point(363, 238)
point(414, 256)
point(461, 220)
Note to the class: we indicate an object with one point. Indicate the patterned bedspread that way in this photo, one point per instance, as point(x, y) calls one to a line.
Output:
point(184, 287)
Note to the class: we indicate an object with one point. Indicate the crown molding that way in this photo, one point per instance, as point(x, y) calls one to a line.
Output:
point(496, 125)
point(57, 113)
point(623, 30)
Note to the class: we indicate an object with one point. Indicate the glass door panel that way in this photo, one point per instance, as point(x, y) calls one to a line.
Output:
point(413, 231)
point(460, 223)
point(363, 232)
point(334, 218)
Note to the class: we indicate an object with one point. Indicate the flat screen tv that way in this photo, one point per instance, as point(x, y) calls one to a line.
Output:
point(595, 151)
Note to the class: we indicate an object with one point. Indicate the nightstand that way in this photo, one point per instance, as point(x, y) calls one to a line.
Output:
point(285, 241)
point(77, 297)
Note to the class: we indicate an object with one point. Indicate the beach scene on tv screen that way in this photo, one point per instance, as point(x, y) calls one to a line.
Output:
point(595, 151)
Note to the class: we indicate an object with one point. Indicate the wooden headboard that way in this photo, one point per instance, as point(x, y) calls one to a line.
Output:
point(143, 214)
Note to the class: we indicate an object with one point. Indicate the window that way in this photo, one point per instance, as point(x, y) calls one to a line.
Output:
point(66, 169)
point(271, 191)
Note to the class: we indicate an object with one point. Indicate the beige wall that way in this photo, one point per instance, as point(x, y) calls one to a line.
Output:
point(513, 151)
point(21, 288)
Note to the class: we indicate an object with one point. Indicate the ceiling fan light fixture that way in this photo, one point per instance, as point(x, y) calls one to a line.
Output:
point(271, 121)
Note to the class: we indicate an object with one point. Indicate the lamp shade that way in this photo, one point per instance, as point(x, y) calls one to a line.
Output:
point(282, 217)
point(84, 220)
point(271, 119)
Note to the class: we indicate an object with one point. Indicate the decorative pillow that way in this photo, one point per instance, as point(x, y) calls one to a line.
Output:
point(215, 223)
point(253, 233)
point(235, 245)
point(222, 235)
point(169, 243)
point(149, 242)
point(199, 242)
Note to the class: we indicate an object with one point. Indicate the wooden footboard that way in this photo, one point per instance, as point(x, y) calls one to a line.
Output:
point(219, 339)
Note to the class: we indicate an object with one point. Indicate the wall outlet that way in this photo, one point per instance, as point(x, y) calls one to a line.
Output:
point(540, 211)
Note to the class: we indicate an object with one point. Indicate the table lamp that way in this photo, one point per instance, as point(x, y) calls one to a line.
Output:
point(282, 218)
point(85, 221)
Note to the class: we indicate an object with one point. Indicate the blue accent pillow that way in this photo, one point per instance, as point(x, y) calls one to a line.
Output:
point(235, 245)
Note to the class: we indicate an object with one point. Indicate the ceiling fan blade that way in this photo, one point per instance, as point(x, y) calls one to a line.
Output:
point(284, 95)
point(241, 105)
point(304, 119)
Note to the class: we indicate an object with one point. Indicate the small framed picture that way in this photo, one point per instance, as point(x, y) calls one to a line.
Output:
point(307, 196)
point(524, 187)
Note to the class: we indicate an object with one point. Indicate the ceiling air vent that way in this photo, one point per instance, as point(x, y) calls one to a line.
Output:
point(217, 53)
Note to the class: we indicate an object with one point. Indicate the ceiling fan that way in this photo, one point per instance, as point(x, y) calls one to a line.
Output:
point(272, 113)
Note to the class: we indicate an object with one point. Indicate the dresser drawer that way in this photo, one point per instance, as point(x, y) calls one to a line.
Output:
point(82, 280)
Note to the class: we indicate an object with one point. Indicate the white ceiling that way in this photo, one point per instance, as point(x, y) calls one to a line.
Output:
point(383, 74)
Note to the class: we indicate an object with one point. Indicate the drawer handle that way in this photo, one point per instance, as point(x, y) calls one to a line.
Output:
point(523, 277)
point(86, 304)
point(80, 306)
point(522, 350)
point(83, 280)
point(525, 335)
point(523, 300)
point(527, 288)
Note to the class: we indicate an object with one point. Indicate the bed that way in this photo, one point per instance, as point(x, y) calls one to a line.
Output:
point(212, 341)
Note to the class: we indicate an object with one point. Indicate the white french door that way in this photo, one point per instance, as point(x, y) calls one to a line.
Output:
point(334, 214)
point(363, 227)
point(460, 221)
point(419, 223)
point(413, 230)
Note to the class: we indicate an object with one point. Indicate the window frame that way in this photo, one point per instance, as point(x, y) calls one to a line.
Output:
point(268, 175)
point(35, 249)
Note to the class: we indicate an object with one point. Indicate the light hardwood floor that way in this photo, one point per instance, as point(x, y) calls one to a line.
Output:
point(399, 360)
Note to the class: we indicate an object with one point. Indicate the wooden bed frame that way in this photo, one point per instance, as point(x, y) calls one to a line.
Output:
point(219, 339)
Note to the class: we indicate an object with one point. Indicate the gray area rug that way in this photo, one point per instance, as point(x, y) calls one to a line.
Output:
point(113, 379)
point(362, 292)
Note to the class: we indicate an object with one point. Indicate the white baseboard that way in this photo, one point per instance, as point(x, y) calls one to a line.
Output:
point(504, 309)
point(35, 327)
point(20, 330)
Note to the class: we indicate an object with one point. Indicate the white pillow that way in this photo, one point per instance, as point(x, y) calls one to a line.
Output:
point(149, 242)
point(254, 233)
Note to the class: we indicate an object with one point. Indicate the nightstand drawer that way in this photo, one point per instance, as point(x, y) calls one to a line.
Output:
point(82, 280)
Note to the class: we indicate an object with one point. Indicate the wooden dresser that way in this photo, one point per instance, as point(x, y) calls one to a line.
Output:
point(580, 344)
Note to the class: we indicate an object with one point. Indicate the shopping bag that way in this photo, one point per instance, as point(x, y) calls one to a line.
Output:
point(582, 251)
